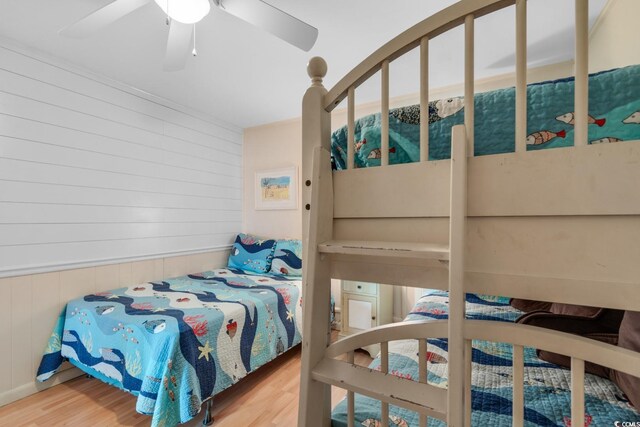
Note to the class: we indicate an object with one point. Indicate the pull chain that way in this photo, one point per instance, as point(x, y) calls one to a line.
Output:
point(168, 21)
point(194, 52)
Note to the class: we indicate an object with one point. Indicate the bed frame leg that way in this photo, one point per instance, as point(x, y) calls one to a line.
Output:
point(208, 418)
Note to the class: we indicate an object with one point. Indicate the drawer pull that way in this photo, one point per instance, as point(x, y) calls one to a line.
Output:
point(373, 317)
point(359, 286)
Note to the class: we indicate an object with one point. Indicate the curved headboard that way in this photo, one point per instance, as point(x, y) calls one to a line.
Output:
point(431, 27)
point(462, 13)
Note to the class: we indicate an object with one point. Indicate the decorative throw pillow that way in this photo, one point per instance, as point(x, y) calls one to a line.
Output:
point(250, 253)
point(287, 258)
point(599, 324)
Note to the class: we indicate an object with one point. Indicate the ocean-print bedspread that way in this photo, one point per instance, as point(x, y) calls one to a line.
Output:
point(546, 390)
point(614, 108)
point(176, 342)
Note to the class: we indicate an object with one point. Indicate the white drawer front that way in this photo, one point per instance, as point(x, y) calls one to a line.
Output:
point(360, 287)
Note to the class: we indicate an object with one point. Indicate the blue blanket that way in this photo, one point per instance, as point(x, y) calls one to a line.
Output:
point(614, 107)
point(546, 390)
point(175, 343)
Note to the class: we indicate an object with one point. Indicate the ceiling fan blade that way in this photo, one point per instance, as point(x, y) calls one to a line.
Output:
point(99, 19)
point(178, 44)
point(273, 20)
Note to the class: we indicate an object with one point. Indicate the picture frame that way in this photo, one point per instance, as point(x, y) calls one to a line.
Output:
point(276, 189)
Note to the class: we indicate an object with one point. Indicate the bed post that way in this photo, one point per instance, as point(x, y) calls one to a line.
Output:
point(317, 216)
point(208, 416)
point(316, 132)
point(457, 407)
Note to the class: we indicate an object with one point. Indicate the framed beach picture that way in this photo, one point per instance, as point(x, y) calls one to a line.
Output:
point(277, 189)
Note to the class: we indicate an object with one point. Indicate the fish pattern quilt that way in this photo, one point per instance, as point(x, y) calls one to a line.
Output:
point(614, 116)
point(175, 343)
point(546, 390)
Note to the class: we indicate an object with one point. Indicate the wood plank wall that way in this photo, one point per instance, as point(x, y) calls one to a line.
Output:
point(101, 186)
point(91, 170)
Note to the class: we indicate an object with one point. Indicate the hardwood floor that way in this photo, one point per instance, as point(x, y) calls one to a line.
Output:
point(267, 397)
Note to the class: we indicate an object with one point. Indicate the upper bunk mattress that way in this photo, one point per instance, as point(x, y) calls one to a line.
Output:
point(175, 343)
point(614, 107)
point(547, 387)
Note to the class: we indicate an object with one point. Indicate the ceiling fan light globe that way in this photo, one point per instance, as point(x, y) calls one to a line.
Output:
point(185, 11)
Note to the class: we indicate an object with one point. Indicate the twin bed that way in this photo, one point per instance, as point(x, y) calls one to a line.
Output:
point(178, 342)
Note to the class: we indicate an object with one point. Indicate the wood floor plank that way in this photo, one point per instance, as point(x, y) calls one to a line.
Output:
point(267, 397)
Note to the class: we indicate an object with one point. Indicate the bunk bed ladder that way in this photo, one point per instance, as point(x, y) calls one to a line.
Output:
point(318, 370)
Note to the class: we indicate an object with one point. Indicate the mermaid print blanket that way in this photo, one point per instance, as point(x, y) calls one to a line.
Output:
point(177, 342)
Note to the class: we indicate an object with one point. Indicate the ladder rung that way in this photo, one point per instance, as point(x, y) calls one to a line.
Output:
point(386, 249)
point(422, 398)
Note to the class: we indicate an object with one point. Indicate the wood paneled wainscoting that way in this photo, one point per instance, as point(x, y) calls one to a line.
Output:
point(30, 306)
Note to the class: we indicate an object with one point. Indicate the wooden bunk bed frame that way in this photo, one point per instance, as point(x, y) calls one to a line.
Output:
point(559, 225)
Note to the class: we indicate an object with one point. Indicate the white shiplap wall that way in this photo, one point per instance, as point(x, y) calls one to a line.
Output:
point(92, 171)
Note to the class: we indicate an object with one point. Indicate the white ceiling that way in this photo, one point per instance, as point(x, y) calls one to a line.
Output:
point(247, 77)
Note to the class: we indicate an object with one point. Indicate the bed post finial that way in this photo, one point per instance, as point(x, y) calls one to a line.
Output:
point(317, 69)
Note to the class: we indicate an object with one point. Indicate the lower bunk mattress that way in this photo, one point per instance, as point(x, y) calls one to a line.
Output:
point(546, 390)
point(177, 342)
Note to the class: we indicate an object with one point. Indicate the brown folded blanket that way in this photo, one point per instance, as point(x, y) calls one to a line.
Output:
point(629, 338)
point(528, 305)
point(614, 327)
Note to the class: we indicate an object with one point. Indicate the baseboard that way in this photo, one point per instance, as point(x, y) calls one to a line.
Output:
point(28, 389)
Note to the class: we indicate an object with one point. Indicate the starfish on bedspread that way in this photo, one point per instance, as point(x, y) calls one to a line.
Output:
point(205, 351)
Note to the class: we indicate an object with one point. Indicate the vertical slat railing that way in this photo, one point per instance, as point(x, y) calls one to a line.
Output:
point(351, 127)
point(458, 209)
point(518, 386)
point(521, 76)
point(384, 367)
point(422, 372)
point(469, 50)
point(351, 405)
point(384, 115)
point(581, 115)
point(577, 392)
point(468, 353)
point(424, 99)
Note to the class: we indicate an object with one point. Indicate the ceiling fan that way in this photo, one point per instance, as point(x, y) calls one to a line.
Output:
point(182, 15)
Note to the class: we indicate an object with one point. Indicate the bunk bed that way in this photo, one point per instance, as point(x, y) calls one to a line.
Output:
point(178, 342)
point(560, 225)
